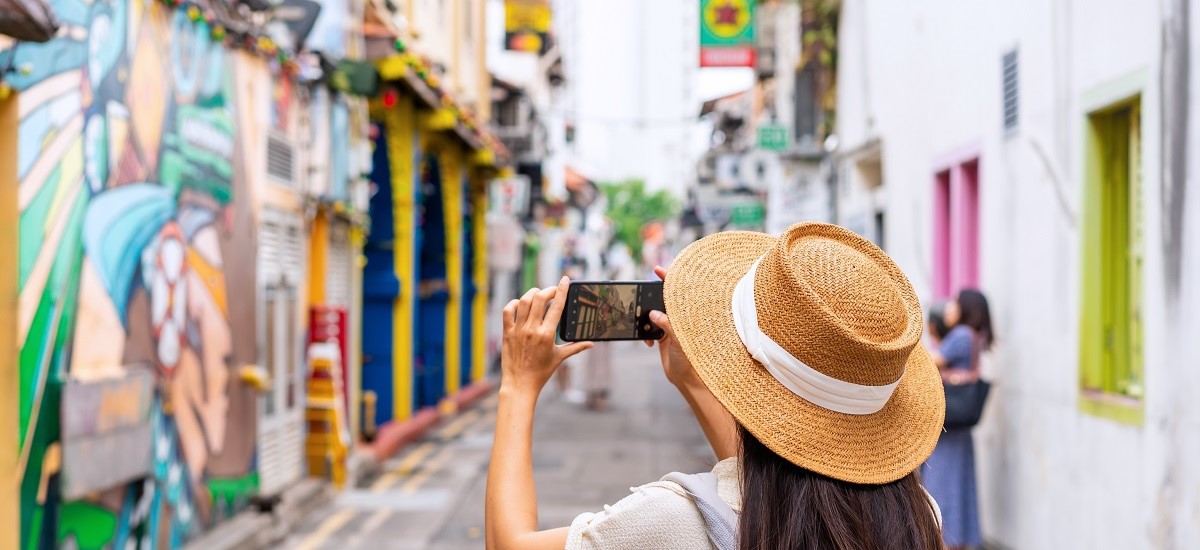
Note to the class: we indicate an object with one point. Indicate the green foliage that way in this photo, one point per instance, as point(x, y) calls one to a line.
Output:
point(631, 207)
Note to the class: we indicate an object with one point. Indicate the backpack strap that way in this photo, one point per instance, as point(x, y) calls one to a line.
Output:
point(719, 518)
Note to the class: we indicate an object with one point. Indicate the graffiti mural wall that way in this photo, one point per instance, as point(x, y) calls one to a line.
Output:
point(133, 320)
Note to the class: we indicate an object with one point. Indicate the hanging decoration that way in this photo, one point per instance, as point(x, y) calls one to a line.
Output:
point(421, 68)
point(235, 34)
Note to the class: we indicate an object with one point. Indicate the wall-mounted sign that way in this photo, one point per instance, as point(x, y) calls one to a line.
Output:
point(727, 33)
point(355, 78)
point(526, 25)
point(106, 432)
point(773, 137)
point(510, 196)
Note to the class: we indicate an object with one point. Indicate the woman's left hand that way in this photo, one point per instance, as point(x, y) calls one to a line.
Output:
point(529, 355)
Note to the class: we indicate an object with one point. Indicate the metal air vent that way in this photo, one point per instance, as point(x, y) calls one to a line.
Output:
point(281, 160)
point(1011, 91)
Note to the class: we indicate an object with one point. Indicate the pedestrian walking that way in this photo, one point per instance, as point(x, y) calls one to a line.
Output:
point(950, 471)
point(569, 393)
point(800, 357)
point(599, 376)
point(618, 266)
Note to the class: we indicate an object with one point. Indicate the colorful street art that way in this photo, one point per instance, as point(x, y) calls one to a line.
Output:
point(131, 206)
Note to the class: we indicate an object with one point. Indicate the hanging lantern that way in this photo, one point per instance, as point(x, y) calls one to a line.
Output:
point(400, 46)
point(218, 33)
point(193, 13)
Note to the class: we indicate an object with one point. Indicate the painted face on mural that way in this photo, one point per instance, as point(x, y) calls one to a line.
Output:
point(200, 385)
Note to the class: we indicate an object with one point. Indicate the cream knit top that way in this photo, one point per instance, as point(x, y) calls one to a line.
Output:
point(656, 516)
point(660, 515)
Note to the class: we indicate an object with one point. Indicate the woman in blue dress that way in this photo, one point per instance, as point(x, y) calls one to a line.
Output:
point(949, 474)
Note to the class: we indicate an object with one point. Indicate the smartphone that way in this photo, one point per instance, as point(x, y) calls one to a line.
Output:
point(611, 310)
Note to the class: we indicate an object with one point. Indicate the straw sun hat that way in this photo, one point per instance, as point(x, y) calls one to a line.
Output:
point(811, 340)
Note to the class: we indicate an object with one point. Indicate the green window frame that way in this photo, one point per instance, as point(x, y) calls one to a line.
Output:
point(1111, 381)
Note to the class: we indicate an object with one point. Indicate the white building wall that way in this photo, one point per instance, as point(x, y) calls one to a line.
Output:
point(632, 82)
point(924, 78)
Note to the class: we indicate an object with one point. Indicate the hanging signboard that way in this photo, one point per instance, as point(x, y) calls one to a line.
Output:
point(526, 25)
point(727, 33)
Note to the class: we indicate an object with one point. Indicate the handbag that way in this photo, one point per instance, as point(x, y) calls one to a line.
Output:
point(964, 403)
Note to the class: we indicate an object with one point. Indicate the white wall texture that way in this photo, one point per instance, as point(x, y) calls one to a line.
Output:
point(924, 78)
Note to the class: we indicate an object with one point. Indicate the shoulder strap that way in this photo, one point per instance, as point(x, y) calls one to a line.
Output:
point(976, 348)
point(719, 518)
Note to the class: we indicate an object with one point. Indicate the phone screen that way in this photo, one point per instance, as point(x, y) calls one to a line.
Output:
point(611, 310)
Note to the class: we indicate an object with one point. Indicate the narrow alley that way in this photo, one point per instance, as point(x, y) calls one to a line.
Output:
point(431, 494)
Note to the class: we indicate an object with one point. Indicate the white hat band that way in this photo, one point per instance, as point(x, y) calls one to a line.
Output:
point(810, 384)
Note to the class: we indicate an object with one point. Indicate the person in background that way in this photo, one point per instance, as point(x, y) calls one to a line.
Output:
point(936, 328)
point(563, 376)
point(618, 267)
point(949, 473)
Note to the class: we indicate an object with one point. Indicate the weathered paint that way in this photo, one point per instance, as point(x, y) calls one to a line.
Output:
point(132, 198)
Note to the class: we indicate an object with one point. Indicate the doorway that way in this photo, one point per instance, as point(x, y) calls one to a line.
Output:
point(281, 406)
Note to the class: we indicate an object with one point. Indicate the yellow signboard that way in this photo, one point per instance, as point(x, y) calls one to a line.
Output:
point(526, 24)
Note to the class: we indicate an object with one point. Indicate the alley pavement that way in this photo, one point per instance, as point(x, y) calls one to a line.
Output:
point(430, 496)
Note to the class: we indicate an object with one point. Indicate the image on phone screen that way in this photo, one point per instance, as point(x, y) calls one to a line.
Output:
point(598, 311)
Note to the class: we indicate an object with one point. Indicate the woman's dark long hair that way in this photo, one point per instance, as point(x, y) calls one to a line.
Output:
point(937, 320)
point(786, 507)
point(974, 312)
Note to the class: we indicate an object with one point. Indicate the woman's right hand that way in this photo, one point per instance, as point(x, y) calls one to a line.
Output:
point(675, 363)
point(719, 426)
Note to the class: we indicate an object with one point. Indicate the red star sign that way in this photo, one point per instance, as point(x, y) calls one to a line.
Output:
point(727, 14)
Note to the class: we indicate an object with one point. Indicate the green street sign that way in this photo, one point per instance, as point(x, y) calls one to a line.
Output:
point(773, 138)
point(747, 215)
